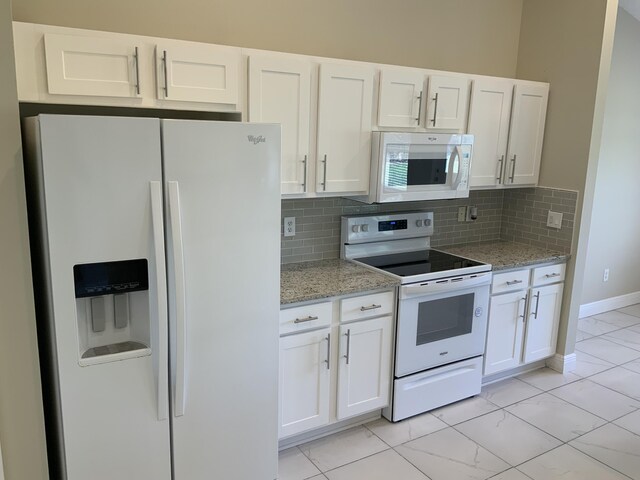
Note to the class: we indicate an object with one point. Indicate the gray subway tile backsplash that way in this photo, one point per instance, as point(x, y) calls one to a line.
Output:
point(518, 215)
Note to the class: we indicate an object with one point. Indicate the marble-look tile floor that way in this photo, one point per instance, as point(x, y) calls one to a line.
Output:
point(541, 425)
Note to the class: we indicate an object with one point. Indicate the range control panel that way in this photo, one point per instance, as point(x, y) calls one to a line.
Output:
point(365, 229)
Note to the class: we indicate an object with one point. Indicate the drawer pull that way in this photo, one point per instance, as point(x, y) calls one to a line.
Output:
point(552, 275)
point(371, 307)
point(307, 319)
point(514, 282)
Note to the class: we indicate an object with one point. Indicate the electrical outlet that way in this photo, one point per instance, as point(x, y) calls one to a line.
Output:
point(289, 226)
point(605, 276)
point(462, 214)
point(554, 220)
point(472, 213)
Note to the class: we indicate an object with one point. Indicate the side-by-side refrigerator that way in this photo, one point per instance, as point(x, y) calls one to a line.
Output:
point(156, 257)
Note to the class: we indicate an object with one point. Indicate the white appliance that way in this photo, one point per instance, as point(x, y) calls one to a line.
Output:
point(159, 361)
point(442, 309)
point(418, 166)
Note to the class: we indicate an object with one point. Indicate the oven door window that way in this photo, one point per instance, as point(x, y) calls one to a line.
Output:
point(444, 318)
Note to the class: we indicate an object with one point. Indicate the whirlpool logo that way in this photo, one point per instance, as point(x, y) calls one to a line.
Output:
point(256, 139)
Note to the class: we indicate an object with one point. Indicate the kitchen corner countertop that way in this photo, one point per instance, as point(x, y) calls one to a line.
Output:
point(301, 282)
point(506, 255)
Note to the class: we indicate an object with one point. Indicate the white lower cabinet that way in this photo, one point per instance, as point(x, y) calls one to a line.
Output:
point(333, 371)
point(542, 324)
point(364, 371)
point(304, 381)
point(523, 317)
point(504, 332)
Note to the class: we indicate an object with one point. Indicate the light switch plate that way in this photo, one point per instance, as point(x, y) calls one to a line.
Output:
point(289, 226)
point(554, 220)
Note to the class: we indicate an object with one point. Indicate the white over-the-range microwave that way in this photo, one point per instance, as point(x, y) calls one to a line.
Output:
point(418, 166)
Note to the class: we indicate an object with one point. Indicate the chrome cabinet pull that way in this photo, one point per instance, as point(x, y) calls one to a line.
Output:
point(328, 360)
point(524, 311)
point(513, 169)
point(499, 177)
point(307, 319)
point(166, 76)
point(419, 108)
point(371, 307)
point(135, 55)
point(552, 275)
point(304, 177)
point(435, 110)
point(535, 314)
point(348, 335)
point(514, 282)
point(324, 175)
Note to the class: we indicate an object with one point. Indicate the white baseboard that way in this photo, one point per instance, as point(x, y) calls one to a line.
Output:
point(562, 363)
point(608, 304)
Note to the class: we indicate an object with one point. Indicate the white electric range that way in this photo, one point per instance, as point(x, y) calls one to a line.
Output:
point(441, 313)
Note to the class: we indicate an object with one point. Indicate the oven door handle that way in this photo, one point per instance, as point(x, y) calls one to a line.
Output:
point(437, 286)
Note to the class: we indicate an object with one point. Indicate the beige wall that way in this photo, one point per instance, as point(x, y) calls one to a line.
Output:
point(615, 224)
point(474, 36)
point(21, 422)
point(568, 43)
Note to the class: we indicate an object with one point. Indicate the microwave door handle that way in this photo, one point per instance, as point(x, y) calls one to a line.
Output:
point(455, 162)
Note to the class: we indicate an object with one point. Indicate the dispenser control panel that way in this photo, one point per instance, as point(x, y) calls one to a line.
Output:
point(125, 276)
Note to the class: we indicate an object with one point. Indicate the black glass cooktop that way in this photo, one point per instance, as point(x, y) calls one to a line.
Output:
point(418, 263)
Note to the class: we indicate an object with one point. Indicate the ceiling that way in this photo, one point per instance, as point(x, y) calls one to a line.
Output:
point(631, 6)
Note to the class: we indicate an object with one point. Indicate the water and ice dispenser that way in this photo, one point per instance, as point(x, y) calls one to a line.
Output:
point(112, 305)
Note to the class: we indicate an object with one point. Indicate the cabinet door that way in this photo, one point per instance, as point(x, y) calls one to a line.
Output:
point(400, 102)
point(447, 102)
point(542, 325)
point(78, 65)
point(197, 73)
point(364, 372)
point(304, 382)
point(505, 332)
point(344, 128)
point(526, 134)
point(489, 114)
point(279, 92)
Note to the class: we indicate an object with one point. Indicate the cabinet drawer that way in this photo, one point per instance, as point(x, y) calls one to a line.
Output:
point(305, 318)
point(366, 306)
point(546, 275)
point(510, 281)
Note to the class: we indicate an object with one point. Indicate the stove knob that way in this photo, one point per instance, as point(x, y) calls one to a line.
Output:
point(355, 228)
point(365, 228)
point(427, 222)
point(418, 223)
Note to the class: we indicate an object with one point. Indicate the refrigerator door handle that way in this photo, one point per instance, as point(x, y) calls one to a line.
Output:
point(181, 308)
point(161, 286)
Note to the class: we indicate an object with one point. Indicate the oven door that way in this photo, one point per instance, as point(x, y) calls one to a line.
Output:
point(441, 321)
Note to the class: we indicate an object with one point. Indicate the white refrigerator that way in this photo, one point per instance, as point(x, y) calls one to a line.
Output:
point(156, 258)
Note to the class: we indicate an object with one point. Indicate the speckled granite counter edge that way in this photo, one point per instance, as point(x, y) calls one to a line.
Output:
point(318, 281)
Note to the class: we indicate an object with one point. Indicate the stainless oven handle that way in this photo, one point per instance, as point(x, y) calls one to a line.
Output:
point(436, 286)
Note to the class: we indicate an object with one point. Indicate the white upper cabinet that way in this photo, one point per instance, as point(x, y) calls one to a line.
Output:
point(192, 72)
point(83, 65)
point(279, 92)
point(447, 103)
point(526, 134)
point(489, 114)
point(400, 100)
point(344, 128)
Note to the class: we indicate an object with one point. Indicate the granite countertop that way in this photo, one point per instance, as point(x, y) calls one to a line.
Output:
point(301, 282)
point(506, 255)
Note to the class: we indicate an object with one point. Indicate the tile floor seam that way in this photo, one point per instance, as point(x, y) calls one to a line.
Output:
point(612, 343)
point(354, 461)
point(594, 414)
point(409, 461)
point(594, 458)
